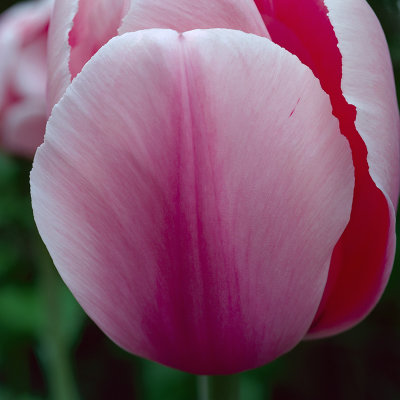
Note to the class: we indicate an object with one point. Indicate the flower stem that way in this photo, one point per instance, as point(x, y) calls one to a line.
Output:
point(218, 387)
point(58, 368)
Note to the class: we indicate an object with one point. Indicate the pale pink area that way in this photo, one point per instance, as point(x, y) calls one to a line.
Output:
point(368, 84)
point(23, 127)
point(185, 15)
point(59, 76)
point(23, 74)
point(80, 27)
point(95, 23)
point(363, 257)
point(190, 200)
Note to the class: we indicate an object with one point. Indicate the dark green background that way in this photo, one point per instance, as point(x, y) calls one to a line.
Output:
point(43, 330)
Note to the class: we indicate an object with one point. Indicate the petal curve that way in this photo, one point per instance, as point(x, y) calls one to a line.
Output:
point(185, 15)
point(95, 23)
point(80, 27)
point(336, 49)
point(59, 75)
point(368, 84)
point(195, 217)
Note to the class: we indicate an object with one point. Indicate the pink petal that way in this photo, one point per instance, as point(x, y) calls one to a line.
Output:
point(23, 127)
point(185, 15)
point(23, 74)
point(367, 83)
point(78, 29)
point(96, 22)
point(191, 190)
point(30, 68)
point(59, 50)
point(22, 26)
point(350, 45)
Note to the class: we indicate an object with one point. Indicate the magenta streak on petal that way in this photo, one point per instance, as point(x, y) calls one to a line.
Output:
point(358, 269)
point(196, 196)
point(194, 227)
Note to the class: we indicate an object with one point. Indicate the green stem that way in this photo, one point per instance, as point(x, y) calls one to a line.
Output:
point(59, 372)
point(202, 387)
point(219, 387)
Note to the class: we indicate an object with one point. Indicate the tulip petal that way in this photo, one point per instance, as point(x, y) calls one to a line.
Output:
point(185, 15)
point(23, 127)
point(31, 69)
point(368, 84)
point(59, 75)
point(192, 201)
point(350, 58)
point(95, 23)
point(21, 28)
point(78, 29)
point(18, 25)
point(23, 37)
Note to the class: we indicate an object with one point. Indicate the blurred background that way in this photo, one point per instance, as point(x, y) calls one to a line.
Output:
point(49, 349)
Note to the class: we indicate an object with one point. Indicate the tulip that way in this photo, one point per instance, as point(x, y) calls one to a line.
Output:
point(219, 179)
point(23, 75)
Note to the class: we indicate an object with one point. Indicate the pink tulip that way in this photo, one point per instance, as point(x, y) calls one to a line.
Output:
point(194, 189)
point(23, 74)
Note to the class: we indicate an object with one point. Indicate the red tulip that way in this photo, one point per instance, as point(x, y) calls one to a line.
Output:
point(23, 70)
point(212, 197)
